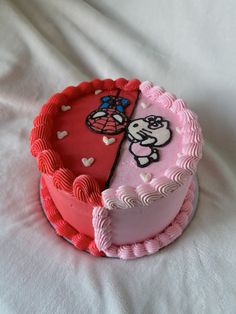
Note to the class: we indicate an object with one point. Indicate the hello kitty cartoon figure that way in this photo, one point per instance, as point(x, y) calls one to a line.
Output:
point(146, 135)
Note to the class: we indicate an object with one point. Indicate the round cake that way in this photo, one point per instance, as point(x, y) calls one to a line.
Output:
point(118, 160)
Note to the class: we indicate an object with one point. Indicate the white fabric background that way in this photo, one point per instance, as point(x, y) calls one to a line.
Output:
point(186, 46)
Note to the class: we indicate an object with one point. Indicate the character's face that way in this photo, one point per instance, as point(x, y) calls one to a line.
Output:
point(151, 129)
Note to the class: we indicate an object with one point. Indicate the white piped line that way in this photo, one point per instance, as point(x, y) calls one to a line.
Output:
point(61, 134)
point(87, 162)
point(108, 140)
point(144, 105)
point(97, 91)
point(178, 130)
point(65, 108)
point(146, 177)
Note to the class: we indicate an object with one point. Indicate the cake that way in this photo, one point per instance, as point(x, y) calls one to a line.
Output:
point(118, 161)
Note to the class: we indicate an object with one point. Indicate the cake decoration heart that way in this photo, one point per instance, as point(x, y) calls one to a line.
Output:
point(178, 130)
point(144, 105)
point(108, 140)
point(145, 176)
point(88, 161)
point(98, 91)
point(65, 108)
point(61, 134)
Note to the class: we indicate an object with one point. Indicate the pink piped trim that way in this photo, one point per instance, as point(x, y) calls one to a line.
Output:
point(102, 227)
point(103, 237)
point(175, 176)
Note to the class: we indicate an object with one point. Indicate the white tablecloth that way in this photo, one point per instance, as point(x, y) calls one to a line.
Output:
point(189, 48)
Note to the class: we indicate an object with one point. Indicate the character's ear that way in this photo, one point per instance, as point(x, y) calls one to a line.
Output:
point(150, 118)
point(148, 141)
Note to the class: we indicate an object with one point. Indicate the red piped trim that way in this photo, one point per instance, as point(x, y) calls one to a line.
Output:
point(63, 179)
point(40, 132)
point(43, 120)
point(49, 162)
point(97, 84)
point(87, 190)
point(62, 228)
point(38, 146)
point(121, 83)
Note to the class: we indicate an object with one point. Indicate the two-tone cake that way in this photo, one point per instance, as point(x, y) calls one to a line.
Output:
point(118, 160)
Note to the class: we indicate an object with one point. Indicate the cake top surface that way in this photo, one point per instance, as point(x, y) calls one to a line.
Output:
point(119, 143)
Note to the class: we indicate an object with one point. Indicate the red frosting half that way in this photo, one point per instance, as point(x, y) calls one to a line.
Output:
point(61, 158)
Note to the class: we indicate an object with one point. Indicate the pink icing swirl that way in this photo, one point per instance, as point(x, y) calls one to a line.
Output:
point(192, 137)
point(178, 105)
point(128, 196)
point(189, 163)
point(192, 150)
point(102, 228)
point(176, 174)
point(163, 185)
point(166, 99)
point(147, 194)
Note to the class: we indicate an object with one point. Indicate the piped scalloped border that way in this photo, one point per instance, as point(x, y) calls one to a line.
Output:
point(103, 236)
point(62, 228)
point(175, 176)
point(83, 187)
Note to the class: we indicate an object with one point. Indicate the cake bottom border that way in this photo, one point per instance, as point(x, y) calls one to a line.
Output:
point(129, 251)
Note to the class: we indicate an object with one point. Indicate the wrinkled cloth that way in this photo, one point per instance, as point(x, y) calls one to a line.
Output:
point(186, 46)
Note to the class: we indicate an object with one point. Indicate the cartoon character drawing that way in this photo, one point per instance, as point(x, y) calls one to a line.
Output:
point(109, 118)
point(146, 135)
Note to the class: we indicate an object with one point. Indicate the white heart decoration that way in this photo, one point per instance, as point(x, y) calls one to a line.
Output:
point(61, 134)
point(88, 161)
point(108, 140)
point(178, 130)
point(146, 177)
point(144, 105)
point(98, 91)
point(65, 108)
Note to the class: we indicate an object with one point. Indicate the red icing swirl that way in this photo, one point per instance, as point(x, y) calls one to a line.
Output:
point(49, 161)
point(97, 84)
point(58, 99)
point(87, 190)
point(72, 92)
point(109, 84)
point(121, 82)
point(63, 179)
point(49, 109)
point(132, 85)
point(38, 146)
point(41, 119)
point(85, 88)
point(40, 132)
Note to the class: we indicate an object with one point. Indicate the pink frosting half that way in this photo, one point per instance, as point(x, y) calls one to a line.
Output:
point(178, 159)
